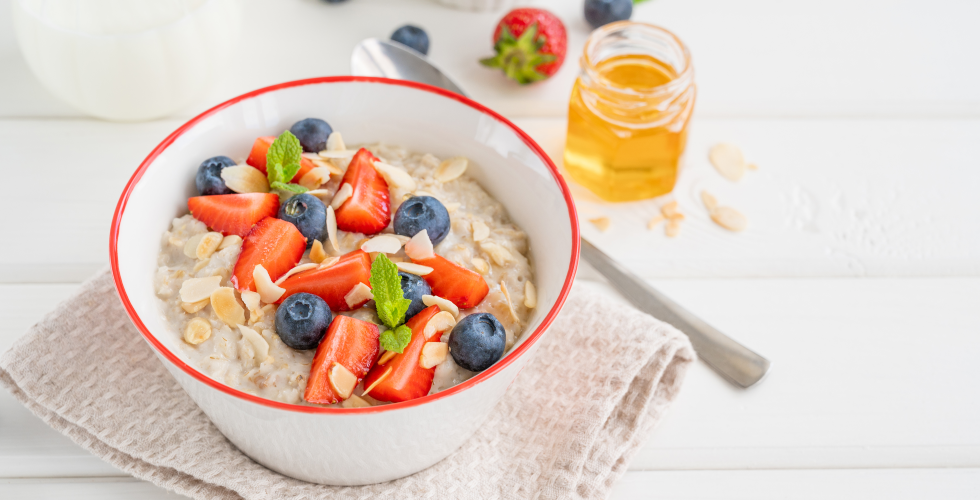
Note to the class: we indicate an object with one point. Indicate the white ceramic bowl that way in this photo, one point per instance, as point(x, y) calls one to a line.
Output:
point(335, 445)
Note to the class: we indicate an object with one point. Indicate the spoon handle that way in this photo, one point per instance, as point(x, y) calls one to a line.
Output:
point(737, 363)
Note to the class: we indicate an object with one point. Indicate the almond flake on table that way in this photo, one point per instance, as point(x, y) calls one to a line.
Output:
point(245, 179)
point(602, 223)
point(656, 219)
point(673, 228)
point(729, 218)
point(671, 212)
point(752, 166)
point(710, 202)
point(728, 160)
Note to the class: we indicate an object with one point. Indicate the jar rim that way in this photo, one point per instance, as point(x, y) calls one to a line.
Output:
point(684, 73)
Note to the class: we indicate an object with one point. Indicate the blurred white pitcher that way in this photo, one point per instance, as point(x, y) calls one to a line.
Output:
point(127, 60)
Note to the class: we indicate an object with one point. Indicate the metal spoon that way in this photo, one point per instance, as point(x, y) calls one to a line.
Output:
point(735, 362)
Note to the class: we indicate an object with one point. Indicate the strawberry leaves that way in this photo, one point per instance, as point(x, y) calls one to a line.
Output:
point(519, 57)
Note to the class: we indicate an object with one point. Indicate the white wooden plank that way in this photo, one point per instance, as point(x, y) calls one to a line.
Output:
point(752, 58)
point(123, 488)
point(894, 484)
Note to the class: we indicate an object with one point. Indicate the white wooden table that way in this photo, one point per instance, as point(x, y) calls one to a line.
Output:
point(859, 276)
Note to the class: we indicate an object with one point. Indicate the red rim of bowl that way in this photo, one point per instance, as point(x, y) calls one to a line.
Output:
point(497, 367)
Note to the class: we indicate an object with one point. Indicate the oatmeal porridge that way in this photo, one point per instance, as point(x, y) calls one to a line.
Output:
point(318, 274)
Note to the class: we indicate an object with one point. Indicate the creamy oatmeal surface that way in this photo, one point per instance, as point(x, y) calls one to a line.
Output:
point(481, 239)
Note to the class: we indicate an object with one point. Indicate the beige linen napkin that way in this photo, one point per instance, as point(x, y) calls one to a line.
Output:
point(566, 428)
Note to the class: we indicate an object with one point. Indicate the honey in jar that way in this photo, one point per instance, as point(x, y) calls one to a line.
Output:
point(629, 111)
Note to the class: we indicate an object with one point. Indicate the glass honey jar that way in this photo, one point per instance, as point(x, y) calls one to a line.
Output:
point(629, 112)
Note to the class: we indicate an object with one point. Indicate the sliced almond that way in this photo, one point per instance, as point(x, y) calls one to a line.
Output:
point(677, 217)
point(420, 246)
point(382, 243)
point(201, 264)
point(258, 314)
point(190, 247)
point(510, 303)
point(342, 380)
point(315, 178)
point(329, 261)
point(710, 202)
point(245, 179)
point(269, 291)
point(752, 166)
point(433, 353)
point(376, 382)
point(232, 240)
point(343, 194)
point(480, 230)
point(657, 219)
point(395, 177)
point(530, 295)
point(386, 357)
point(335, 142)
point(602, 223)
point(331, 155)
point(252, 300)
point(730, 219)
point(323, 195)
point(451, 207)
point(198, 289)
point(296, 270)
point(259, 345)
point(209, 243)
point(415, 269)
point(193, 307)
point(673, 228)
point(401, 238)
point(497, 253)
point(451, 169)
point(441, 322)
point(317, 254)
point(727, 160)
point(481, 266)
point(444, 305)
point(358, 295)
point(226, 306)
point(335, 171)
point(670, 209)
point(197, 330)
point(355, 402)
point(332, 229)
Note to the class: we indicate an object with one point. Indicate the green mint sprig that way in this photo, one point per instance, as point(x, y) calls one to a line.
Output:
point(282, 161)
point(386, 286)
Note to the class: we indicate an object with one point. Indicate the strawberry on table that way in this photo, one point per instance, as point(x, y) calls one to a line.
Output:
point(530, 45)
point(353, 345)
point(333, 283)
point(274, 243)
point(368, 210)
point(233, 213)
point(402, 378)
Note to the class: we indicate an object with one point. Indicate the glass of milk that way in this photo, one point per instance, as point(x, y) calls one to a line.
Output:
point(127, 60)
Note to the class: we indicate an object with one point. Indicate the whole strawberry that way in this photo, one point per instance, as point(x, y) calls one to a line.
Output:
point(530, 45)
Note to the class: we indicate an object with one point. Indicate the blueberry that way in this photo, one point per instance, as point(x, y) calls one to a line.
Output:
point(602, 12)
point(413, 288)
point(477, 341)
point(312, 134)
point(308, 214)
point(422, 212)
point(208, 180)
point(302, 320)
point(413, 37)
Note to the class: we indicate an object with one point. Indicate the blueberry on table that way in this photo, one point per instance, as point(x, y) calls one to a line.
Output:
point(302, 320)
point(422, 212)
point(413, 37)
point(312, 134)
point(413, 288)
point(477, 341)
point(308, 214)
point(208, 179)
point(601, 12)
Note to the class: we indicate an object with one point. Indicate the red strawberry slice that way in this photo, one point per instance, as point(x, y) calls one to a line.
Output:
point(401, 378)
point(333, 283)
point(257, 158)
point(274, 243)
point(453, 282)
point(233, 213)
point(368, 210)
point(350, 342)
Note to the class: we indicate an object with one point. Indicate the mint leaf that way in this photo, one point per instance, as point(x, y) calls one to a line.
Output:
point(292, 188)
point(285, 150)
point(275, 173)
point(396, 340)
point(289, 171)
point(386, 286)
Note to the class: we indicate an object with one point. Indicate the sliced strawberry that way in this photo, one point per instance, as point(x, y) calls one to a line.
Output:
point(233, 213)
point(350, 342)
point(401, 378)
point(453, 282)
point(368, 210)
point(274, 243)
point(333, 283)
point(256, 158)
